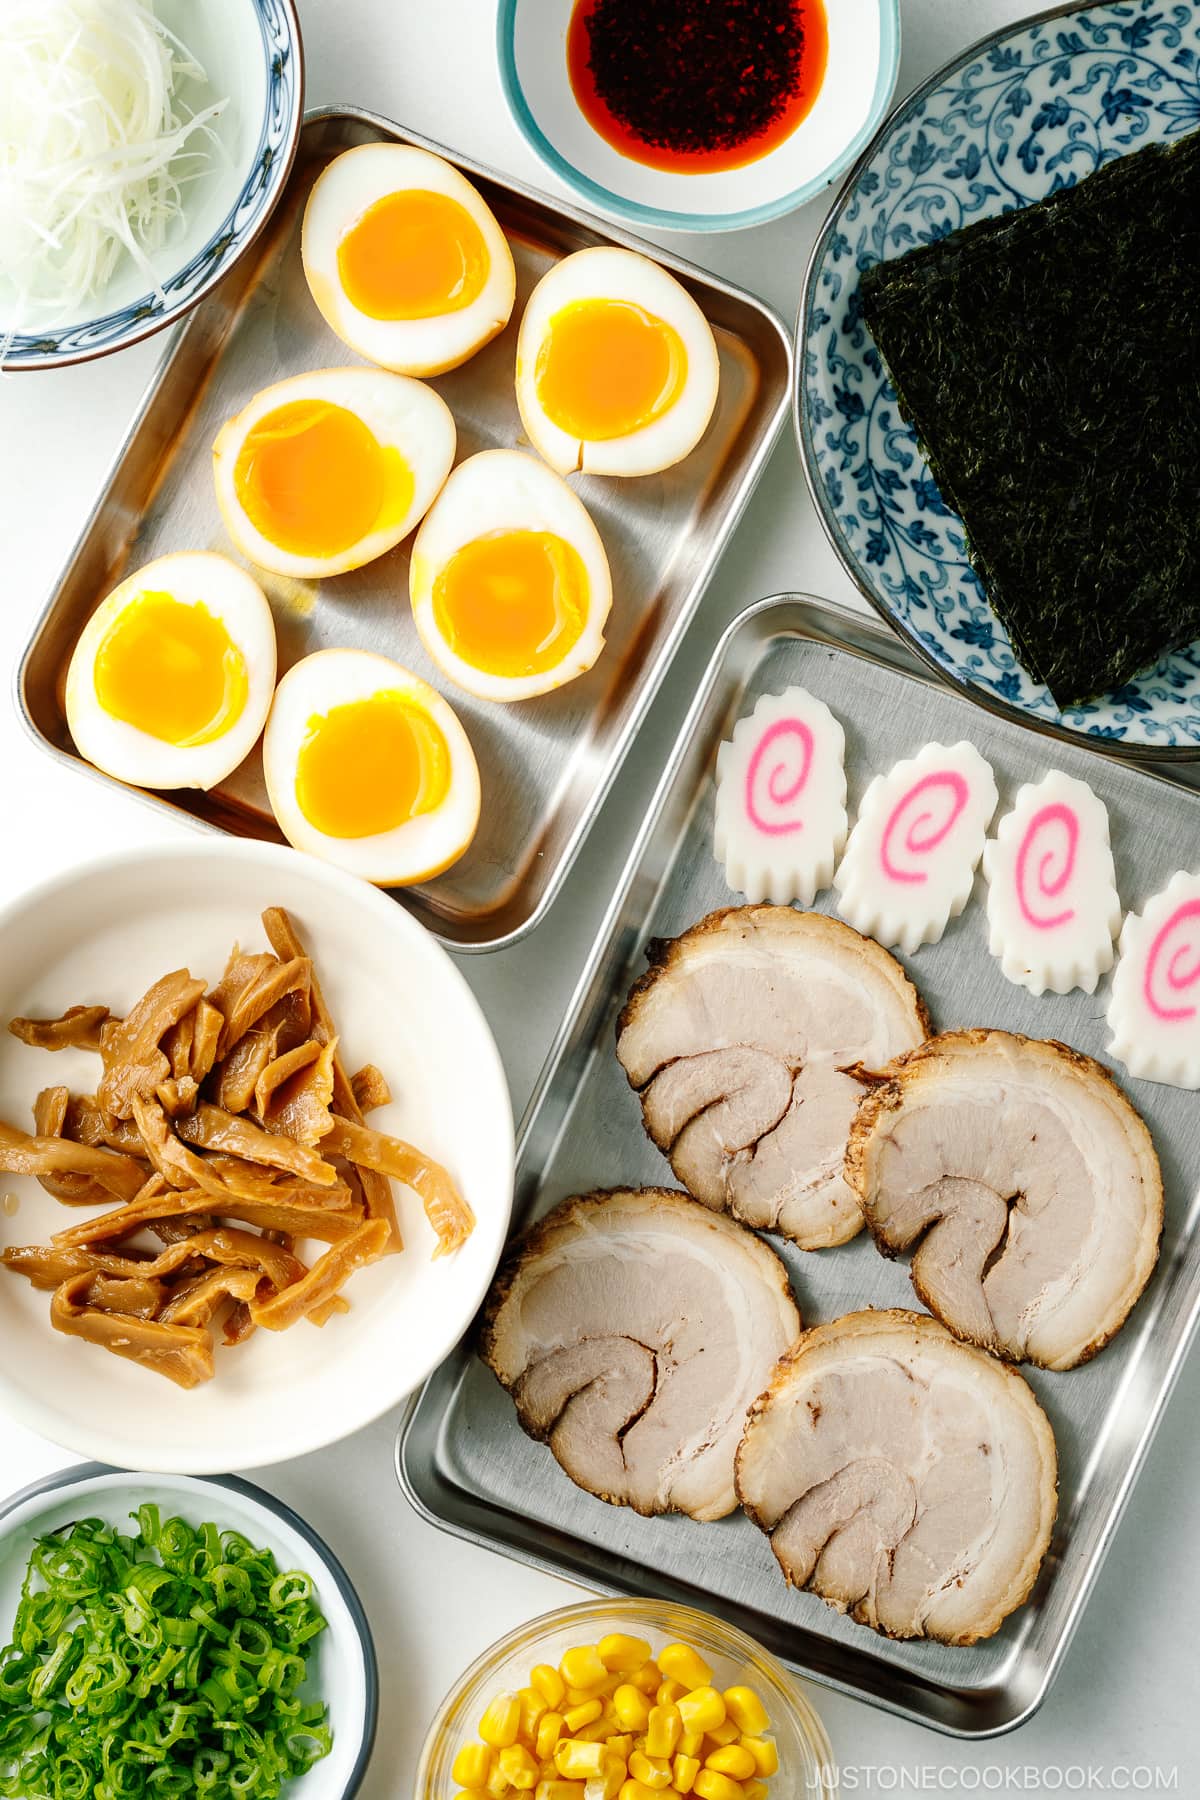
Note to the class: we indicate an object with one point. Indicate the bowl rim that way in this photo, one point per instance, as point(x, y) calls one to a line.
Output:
point(208, 1462)
point(631, 1609)
point(80, 1473)
point(633, 212)
point(1119, 748)
point(147, 326)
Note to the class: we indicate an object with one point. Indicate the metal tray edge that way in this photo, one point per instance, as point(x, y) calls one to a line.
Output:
point(841, 624)
point(656, 670)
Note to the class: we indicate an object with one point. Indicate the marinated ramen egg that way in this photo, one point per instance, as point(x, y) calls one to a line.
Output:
point(367, 766)
point(171, 680)
point(617, 367)
point(405, 259)
point(509, 582)
point(326, 471)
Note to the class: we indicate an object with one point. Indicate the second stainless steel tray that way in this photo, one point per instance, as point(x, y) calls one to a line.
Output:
point(462, 1458)
point(545, 764)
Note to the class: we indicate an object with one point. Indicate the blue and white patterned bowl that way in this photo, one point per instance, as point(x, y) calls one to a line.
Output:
point(251, 53)
point(1021, 114)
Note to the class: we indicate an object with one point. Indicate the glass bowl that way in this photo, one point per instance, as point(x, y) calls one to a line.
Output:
point(805, 1757)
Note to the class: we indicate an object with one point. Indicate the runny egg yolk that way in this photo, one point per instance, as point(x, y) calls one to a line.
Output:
point(413, 255)
point(367, 766)
point(607, 368)
point(315, 480)
point(512, 603)
point(170, 669)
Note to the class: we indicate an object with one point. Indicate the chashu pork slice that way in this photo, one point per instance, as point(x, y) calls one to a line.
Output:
point(746, 1040)
point(633, 1329)
point(907, 1478)
point(1024, 1182)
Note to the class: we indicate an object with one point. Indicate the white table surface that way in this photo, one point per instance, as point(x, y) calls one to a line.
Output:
point(1123, 1714)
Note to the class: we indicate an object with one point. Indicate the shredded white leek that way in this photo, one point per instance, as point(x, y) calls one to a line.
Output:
point(95, 150)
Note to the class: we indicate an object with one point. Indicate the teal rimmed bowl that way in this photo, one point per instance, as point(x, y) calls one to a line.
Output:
point(864, 55)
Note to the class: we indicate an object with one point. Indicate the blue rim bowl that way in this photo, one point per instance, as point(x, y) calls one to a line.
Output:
point(604, 200)
point(327, 1571)
point(267, 169)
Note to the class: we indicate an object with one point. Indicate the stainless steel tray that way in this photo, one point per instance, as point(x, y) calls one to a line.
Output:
point(546, 764)
point(463, 1460)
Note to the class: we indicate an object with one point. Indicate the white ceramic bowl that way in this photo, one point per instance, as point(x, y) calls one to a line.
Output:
point(864, 56)
point(250, 51)
point(343, 1671)
point(103, 934)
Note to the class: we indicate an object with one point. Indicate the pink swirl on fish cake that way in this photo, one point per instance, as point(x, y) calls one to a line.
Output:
point(915, 843)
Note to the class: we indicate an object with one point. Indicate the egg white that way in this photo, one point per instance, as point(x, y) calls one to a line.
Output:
point(507, 490)
point(402, 414)
point(412, 852)
point(607, 273)
point(343, 191)
point(120, 749)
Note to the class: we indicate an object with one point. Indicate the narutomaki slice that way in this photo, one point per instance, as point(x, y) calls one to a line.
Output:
point(633, 1329)
point(907, 1478)
point(1024, 1182)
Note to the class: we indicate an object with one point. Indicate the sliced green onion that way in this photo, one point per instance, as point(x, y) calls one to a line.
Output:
point(153, 1666)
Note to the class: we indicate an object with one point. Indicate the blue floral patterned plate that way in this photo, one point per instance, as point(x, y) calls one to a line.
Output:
point(1021, 114)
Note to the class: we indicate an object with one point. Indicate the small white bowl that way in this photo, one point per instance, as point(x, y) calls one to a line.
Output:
point(102, 934)
point(343, 1671)
point(251, 54)
point(864, 56)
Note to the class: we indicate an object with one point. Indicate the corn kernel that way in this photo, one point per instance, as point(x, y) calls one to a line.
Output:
point(746, 1710)
point(549, 1684)
point(550, 1727)
point(582, 1668)
point(579, 1716)
point(501, 1722)
point(519, 1768)
point(472, 1766)
point(684, 1771)
point(663, 1730)
point(622, 1654)
point(596, 1732)
point(637, 1790)
point(712, 1786)
point(669, 1691)
point(497, 1784)
point(607, 1785)
point(655, 1771)
point(533, 1709)
point(755, 1790)
point(553, 1789)
point(631, 1707)
point(725, 1733)
point(579, 1762)
point(647, 1679)
point(733, 1760)
point(691, 1742)
point(702, 1710)
point(685, 1665)
point(621, 1744)
point(766, 1756)
point(471, 1794)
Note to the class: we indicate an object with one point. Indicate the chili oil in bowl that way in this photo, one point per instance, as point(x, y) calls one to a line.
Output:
point(698, 115)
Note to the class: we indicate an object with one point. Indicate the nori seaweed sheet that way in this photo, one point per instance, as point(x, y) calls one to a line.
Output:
point(1049, 361)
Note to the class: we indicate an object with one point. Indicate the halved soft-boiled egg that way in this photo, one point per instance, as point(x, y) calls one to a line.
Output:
point(367, 766)
point(617, 367)
point(171, 680)
point(326, 471)
point(508, 578)
point(405, 259)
